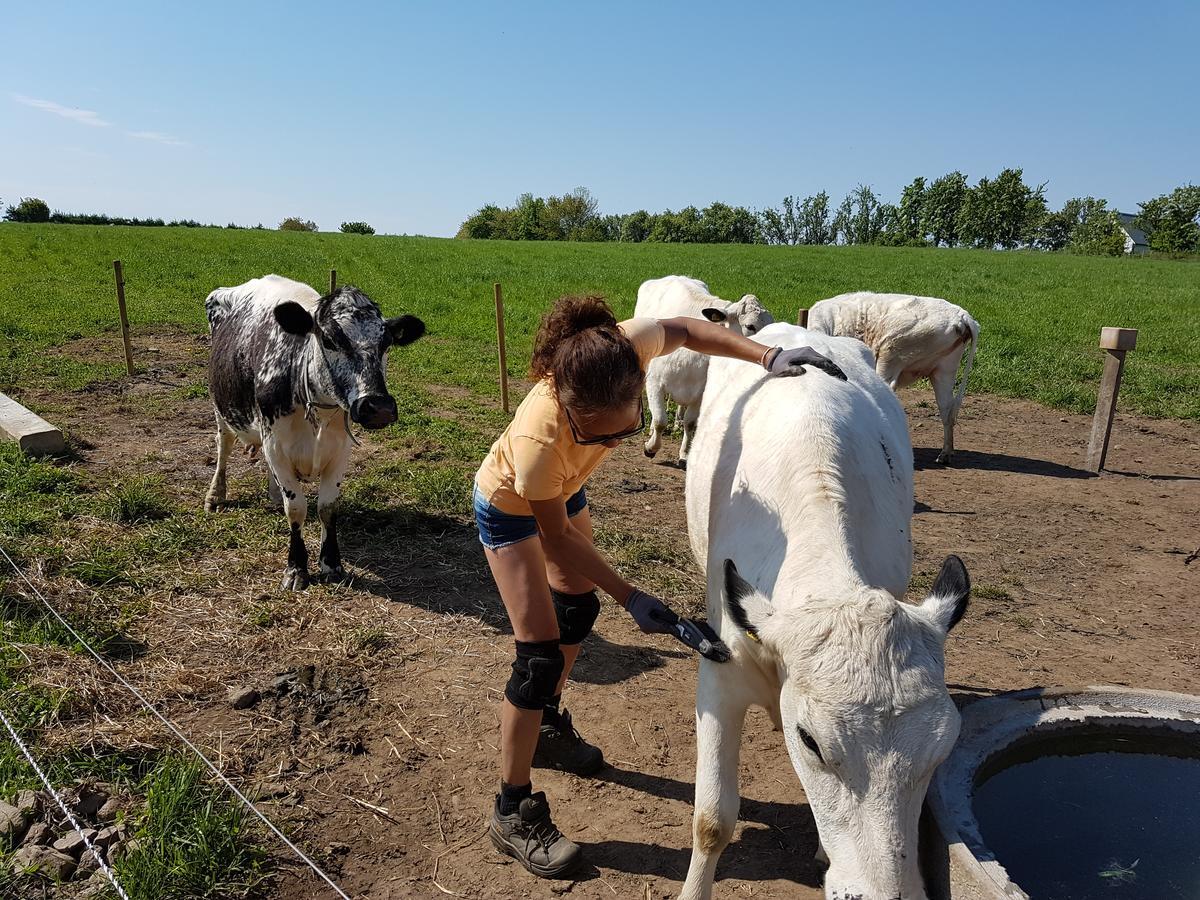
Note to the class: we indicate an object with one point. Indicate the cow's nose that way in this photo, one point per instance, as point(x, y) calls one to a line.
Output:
point(373, 411)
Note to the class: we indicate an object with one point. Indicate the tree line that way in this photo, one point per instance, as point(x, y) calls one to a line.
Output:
point(34, 209)
point(995, 213)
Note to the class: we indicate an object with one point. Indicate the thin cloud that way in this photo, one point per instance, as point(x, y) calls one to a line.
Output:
point(158, 137)
point(83, 116)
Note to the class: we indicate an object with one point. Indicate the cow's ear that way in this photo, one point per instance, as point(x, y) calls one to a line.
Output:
point(405, 329)
point(713, 314)
point(947, 601)
point(747, 607)
point(293, 318)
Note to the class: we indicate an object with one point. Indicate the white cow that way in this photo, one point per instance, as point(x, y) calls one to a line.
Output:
point(682, 374)
point(799, 496)
point(912, 338)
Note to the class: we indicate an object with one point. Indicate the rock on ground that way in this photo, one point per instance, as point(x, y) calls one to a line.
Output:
point(47, 861)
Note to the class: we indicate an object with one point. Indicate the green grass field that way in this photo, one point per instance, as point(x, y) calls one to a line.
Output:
point(1040, 313)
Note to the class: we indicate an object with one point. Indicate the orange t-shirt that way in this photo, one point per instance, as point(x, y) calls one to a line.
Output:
point(536, 458)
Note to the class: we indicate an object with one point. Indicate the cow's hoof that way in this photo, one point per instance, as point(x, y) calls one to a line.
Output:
point(295, 580)
point(335, 576)
point(682, 464)
point(943, 458)
point(650, 454)
point(211, 504)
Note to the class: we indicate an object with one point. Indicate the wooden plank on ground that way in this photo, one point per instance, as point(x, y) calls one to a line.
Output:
point(31, 432)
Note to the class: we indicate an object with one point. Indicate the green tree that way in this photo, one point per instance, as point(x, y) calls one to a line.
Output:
point(815, 226)
point(295, 223)
point(30, 209)
point(909, 227)
point(781, 226)
point(1095, 229)
point(1172, 221)
point(1002, 212)
point(529, 220)
point(724, 224)
point(859, 219)
point(1055, 230)
point(356, 228)
point(636, 227)
point(940, 209)
point(570, 217)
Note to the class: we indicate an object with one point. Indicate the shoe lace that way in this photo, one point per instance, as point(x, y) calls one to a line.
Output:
point(566, 728)
point(544, 831)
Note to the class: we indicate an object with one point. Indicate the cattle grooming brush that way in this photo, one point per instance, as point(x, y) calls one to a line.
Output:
point(697, 634)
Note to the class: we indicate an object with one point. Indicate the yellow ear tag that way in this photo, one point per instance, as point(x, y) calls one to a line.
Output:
point(753, 637)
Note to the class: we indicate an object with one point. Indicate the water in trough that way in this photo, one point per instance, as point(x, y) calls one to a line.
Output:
point(1096, 817)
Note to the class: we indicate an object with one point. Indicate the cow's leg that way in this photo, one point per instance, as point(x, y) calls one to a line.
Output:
point(720, 712)
point(216, 491)
point(327, 506)
point(295, 505)
point(656, 396)
point(274, 494)
point(942, 379)
point(691, 414)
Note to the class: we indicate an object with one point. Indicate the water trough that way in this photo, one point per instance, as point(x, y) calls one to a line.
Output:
point(1068, 793)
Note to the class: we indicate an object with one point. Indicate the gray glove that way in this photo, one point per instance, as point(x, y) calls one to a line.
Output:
point(643, 608)
point(792, 362)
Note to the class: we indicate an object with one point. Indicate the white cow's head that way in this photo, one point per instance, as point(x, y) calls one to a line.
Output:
point(747, 316)
point(351, 339)
point(866, 716)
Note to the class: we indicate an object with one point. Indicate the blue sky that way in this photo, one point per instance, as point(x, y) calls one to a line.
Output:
point(412, 116)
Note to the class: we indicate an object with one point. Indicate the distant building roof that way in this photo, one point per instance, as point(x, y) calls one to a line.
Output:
point(1135, 234)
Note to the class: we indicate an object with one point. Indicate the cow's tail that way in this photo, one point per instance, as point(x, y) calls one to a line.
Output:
point(217, 307)
point(968, 329)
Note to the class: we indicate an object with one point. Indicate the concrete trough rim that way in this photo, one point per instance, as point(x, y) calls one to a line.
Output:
point(992, 725)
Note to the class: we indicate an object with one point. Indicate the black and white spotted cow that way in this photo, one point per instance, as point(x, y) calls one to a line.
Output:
point(290, 370)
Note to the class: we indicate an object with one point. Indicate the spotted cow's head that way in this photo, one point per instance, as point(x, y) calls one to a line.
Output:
point(352, 338)
point(748, 316)
point(866, 717)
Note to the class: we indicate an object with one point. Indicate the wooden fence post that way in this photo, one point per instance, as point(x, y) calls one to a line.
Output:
point(332, 280)
point(802, 318)
point(500, 343)
point(119, 272)
point(1116, 342)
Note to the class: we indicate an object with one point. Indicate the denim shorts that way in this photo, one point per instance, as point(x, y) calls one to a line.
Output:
point(500, 529)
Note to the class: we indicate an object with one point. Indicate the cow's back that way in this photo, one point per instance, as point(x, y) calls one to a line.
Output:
point(789, 466)
point(906, 326)
point(244, 336)
point(675, 295)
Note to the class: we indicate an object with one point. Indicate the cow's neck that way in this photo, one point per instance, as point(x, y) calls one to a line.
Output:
point(315, 385)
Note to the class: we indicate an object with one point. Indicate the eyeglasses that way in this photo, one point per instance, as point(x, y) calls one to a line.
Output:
point(602, 438)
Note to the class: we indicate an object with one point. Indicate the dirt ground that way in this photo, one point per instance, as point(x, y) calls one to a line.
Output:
point(385, 765)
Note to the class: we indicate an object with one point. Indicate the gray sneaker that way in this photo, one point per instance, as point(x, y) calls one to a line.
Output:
point(529, 837)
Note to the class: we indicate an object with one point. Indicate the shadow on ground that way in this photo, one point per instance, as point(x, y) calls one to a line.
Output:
point(926, 458)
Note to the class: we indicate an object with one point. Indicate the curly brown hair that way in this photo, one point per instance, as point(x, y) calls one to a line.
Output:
point(592, 365)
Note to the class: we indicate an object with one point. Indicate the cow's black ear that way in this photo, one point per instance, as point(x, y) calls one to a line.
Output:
point(947, 601)
point(713, 314)
point(405, 329)
point(293, 318)
point(747, 607)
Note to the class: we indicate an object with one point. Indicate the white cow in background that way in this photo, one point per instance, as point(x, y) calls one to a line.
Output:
point(682, 374)
point(912, 338)
point(799, 498)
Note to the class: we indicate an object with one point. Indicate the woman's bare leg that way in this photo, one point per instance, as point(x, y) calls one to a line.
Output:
point(561, 578)
point(520, 573)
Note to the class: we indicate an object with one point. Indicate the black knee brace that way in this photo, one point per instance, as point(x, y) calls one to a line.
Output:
point(576, 615)
point(535, 674)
